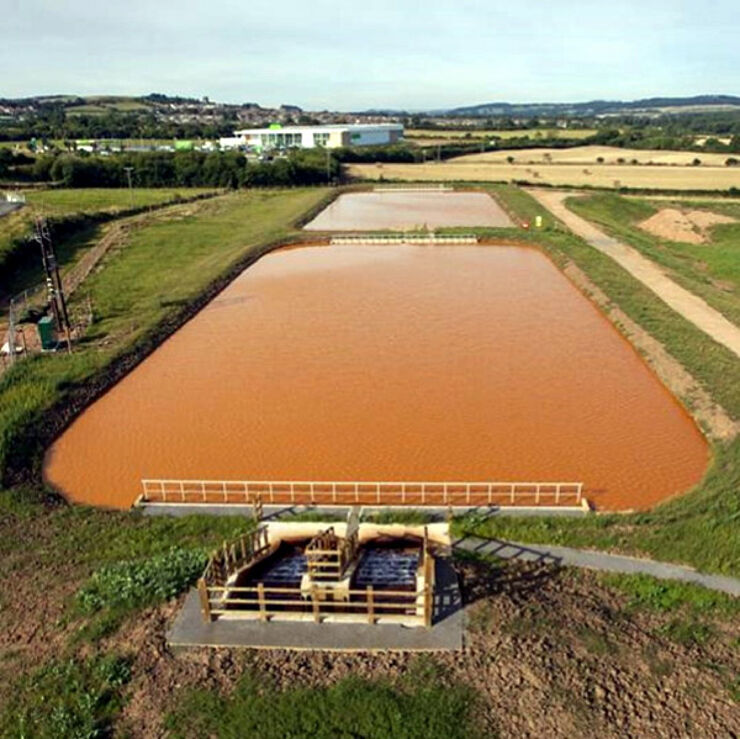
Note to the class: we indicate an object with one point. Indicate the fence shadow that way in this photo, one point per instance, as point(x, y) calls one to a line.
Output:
point(483, 575)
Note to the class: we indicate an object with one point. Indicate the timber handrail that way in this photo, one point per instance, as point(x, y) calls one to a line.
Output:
point(371, 603)
point(235, 555)
point(282, 492)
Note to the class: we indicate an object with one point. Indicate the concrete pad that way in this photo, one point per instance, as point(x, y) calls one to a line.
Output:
point(593, 560)
point(276, 512)
point(446, 633)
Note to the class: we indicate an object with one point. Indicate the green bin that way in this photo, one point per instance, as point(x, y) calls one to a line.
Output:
point(46, 333)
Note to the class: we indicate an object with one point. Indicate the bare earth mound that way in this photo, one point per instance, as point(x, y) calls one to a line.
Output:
point(689, 227)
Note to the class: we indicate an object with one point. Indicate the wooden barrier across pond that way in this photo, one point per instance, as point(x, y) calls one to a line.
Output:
point(293, 492)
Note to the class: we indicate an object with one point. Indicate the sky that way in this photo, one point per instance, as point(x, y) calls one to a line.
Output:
point(347, 55)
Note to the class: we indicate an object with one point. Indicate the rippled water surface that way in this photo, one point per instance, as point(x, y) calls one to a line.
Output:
point(408, 209)
point(390, 363)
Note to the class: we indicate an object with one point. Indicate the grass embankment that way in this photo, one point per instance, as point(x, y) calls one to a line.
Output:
point(701, 528)
point(710, 270)
point(105, 200)
point(149, 281)
point(66, 207)
point(115, 563)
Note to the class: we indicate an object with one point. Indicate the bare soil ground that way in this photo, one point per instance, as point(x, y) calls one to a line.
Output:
point(687, 226)
point(552, 654)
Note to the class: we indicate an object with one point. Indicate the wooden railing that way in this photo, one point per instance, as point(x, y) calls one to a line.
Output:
point(362, 493)
point(328, 556)
point(320, 600)
point(244, 551)
point(411, 238)
point(369, 603)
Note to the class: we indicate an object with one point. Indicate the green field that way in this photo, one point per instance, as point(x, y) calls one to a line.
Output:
point(533, 133)
point(61, 204)
point(99, 105)
point(104, 200)
point(711, 270)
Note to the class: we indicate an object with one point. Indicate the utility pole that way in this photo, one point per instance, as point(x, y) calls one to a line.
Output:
point(53, 281)
point(328, 167)
point(11, 333)
point(128, 171)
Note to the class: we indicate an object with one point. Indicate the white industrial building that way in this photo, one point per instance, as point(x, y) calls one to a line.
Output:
point(306, 137)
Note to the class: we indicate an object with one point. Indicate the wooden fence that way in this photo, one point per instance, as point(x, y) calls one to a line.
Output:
point(320, 600)
point(411, 238)
point(363, 493)
point(244, 551)
point(328, 555)
point(366, 604)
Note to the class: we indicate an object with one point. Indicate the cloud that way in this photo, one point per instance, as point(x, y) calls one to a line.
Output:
point(336, 54)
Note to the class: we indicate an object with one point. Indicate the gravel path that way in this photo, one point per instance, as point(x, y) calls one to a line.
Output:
point(691, 307)
point(596, 561)
point(8, 208)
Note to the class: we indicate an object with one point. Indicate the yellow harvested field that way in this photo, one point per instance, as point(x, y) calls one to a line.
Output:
point(601, 175)
point(590, 154)
point(562, 133)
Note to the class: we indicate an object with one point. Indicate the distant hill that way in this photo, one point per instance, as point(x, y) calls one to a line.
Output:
point(656, 105)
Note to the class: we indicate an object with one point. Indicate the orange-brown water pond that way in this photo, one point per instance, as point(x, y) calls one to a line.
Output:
point(390, 363)
point(409, 209)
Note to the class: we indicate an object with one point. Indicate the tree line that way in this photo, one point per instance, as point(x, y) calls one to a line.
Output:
point(178, 169)
point(52, 122)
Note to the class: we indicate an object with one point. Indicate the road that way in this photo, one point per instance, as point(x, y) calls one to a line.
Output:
point(685, 303)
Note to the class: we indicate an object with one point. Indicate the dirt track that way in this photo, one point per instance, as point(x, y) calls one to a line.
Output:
point(685, 303)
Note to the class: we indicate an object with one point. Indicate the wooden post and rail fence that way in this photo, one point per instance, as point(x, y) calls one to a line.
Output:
point(218, 598)
point(328, 556)
point(294, 492)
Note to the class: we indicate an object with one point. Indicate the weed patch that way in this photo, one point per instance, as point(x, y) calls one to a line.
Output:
point(350, 708)
point(68, 699)
point(137, 583)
